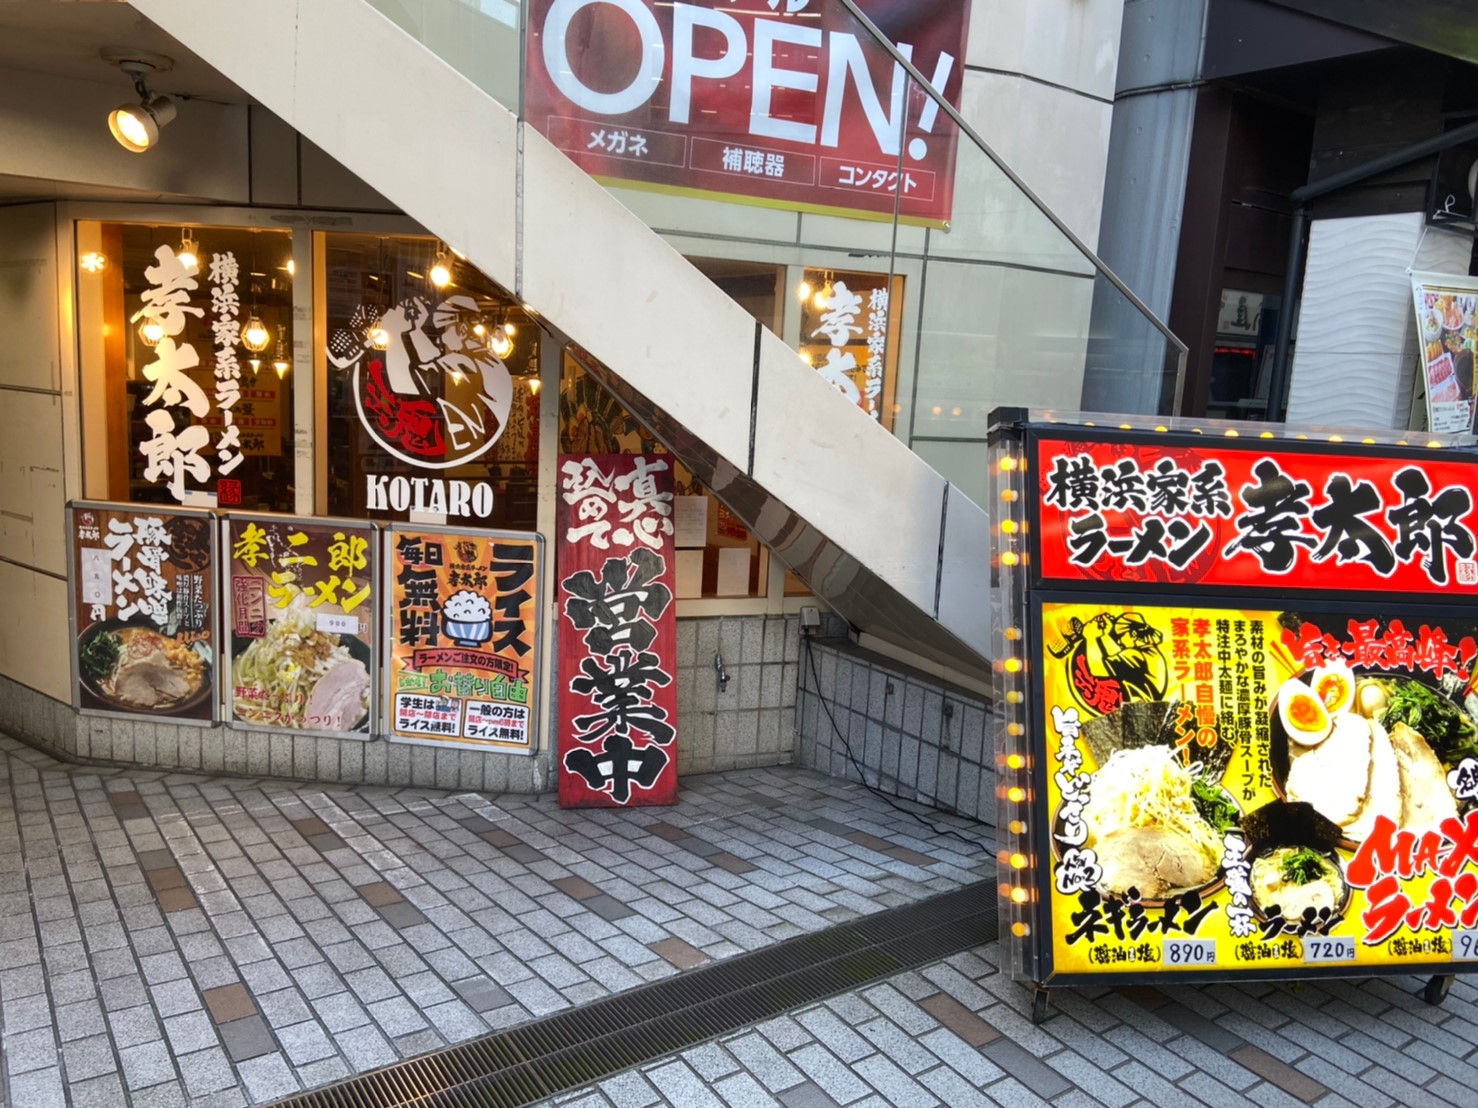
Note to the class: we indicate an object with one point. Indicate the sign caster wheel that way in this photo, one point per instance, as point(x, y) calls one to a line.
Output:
point(1040, 1001)
point(1436, 989)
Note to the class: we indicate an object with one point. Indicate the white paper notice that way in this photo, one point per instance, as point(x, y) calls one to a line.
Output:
point(691, 518)
point(331, 623)
point(689, 574)
point(733, 571)
point(97, 576)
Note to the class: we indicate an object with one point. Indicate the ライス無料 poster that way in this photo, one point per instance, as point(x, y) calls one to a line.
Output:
point(462, 637)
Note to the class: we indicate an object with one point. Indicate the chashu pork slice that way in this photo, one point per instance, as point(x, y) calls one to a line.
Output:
point(1151, 860)
point(1335, 775)
point(1425, 798)
point(1384, 798)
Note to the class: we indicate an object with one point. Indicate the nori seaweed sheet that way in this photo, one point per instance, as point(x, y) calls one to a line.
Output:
point(1140, 723)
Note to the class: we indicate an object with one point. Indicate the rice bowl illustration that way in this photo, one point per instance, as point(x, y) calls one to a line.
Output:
point(468, 618)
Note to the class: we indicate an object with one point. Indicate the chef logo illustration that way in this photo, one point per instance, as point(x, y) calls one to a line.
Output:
point(427, 385)
point(1113, 658)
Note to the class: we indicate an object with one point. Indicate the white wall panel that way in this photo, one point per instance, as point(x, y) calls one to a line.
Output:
point(35, 639)
point(1354, 356)
point(32, 528)
point(28, 356)
point(1074, 43)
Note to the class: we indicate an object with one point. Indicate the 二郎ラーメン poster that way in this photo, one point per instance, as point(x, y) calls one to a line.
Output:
point(300, 623)
point(143, 605)
point(462, 637)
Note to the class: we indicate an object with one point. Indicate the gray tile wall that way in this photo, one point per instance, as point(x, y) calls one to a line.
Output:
point(913, 736)
point(751, 723)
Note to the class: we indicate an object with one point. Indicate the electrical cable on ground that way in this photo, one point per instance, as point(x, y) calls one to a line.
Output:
point(862, 777)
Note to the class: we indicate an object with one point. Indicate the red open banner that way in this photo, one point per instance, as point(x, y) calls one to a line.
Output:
point(785, 103)
point(617, 632)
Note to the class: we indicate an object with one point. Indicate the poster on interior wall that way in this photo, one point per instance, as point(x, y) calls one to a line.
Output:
point(617, 631)
point(143, 611)
point(1447, 331)
point(462, 637)
point(786, 103)
point(849, 335)
point(300, 605)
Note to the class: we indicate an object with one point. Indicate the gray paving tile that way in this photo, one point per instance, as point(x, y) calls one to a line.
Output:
point(145, 1065)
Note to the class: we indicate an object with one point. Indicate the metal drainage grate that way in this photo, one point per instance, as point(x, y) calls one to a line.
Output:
point(544, 1057)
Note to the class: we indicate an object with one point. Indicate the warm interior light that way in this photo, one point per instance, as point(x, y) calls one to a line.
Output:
point(150, 332)
point(804, 290)
point(187, 254)
point(510, 330)
point(137, 126)
point(479, 330)
point(254, 336)
point(93, 262)
point(379, 338)
point(500, 344)
point(282, 363)
point(440, 273)
point(534, 384)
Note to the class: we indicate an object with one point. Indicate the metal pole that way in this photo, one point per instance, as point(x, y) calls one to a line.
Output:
point(1279, 377)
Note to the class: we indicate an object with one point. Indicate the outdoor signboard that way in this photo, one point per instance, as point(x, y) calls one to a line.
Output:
point(1447, 331)
point(618, 632)
point(462, 637)
point(300, 606)
point(143, 611)
point(1239, 671)
point(786, 103)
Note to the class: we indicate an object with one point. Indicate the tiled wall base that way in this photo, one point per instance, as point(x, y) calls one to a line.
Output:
point(752, 723)
point(914, 736)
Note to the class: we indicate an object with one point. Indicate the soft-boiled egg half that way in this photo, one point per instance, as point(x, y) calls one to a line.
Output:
point(1334, 685)
point(1303, 715)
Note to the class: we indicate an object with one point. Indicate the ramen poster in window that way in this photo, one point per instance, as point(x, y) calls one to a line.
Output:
point(462, 637)
point(300, 611)
point(1238, 790)
point(143, 604)
point(1447, 332)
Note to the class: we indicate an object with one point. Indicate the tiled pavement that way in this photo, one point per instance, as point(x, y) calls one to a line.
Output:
point(173, 939)
point(959, 1034)
point(168, 939)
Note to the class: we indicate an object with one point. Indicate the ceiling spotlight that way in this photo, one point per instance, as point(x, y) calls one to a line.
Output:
point(188, 253)
point(93, 262)
point(255, 336)
point(440, 273)
point(136, 126)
